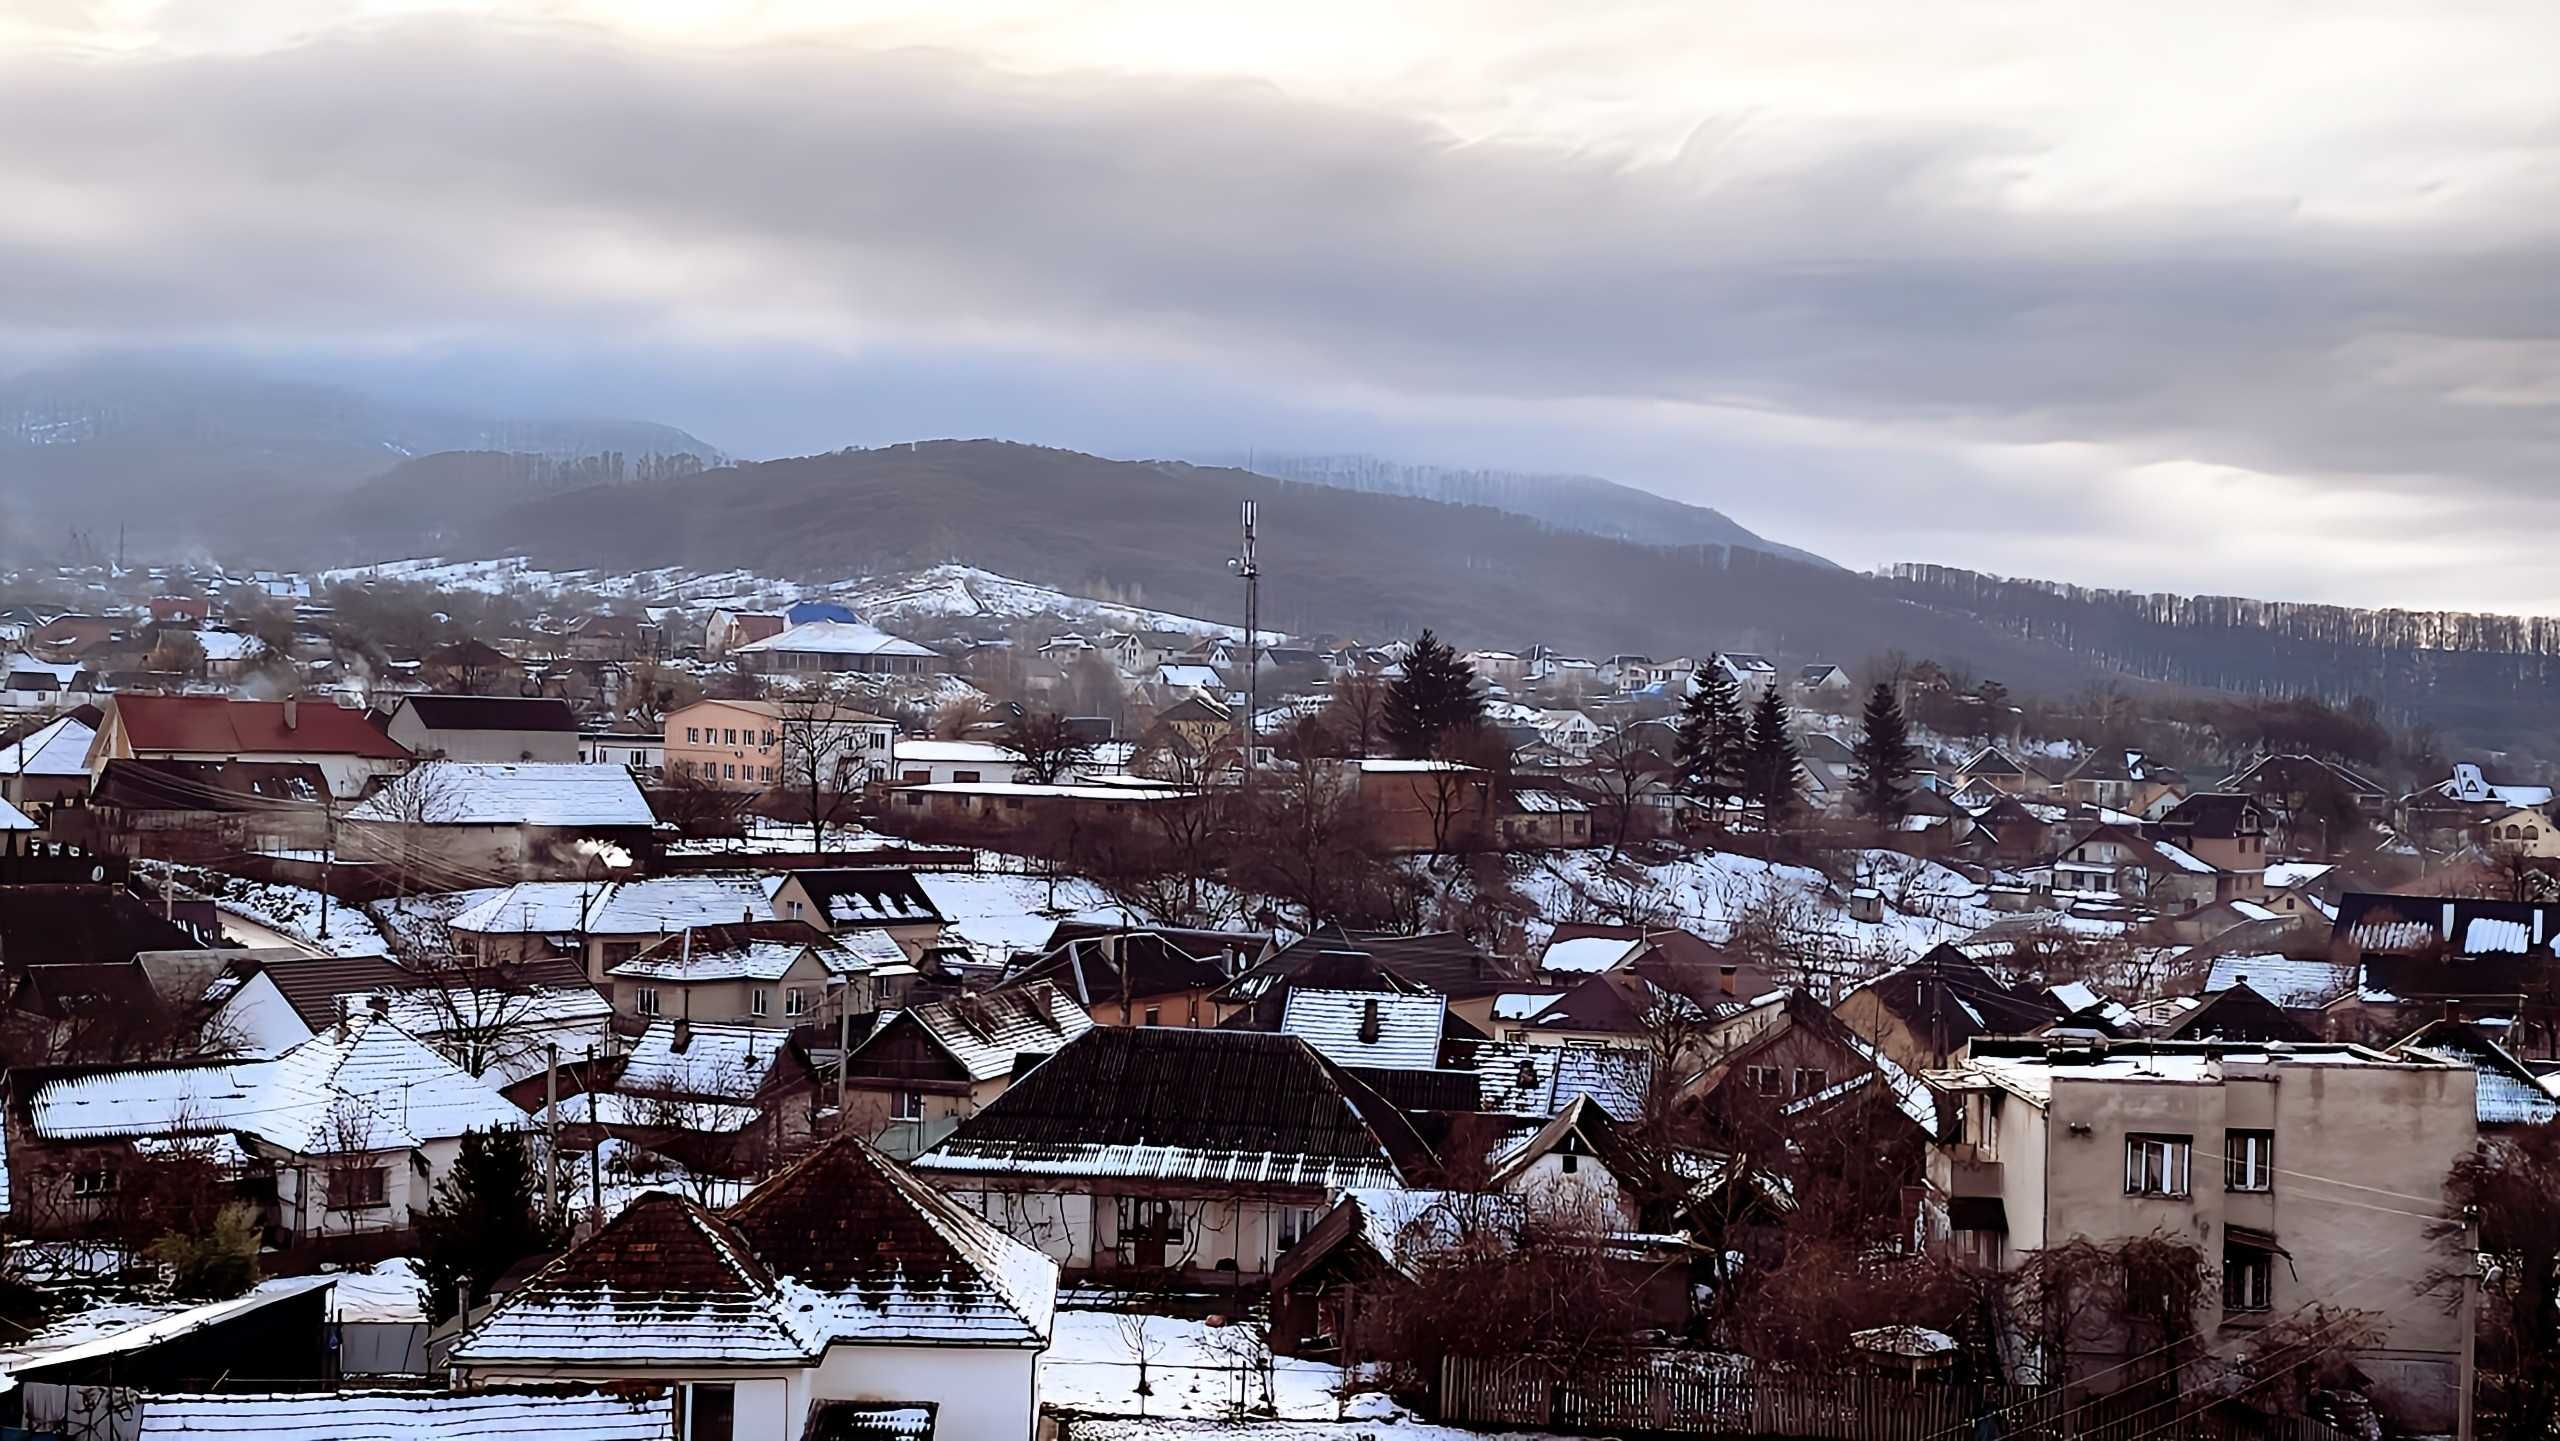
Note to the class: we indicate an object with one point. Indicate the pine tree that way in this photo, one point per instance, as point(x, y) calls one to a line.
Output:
point(1709, 739)
point(1770, 764)
point(1881, 763)
point(1436, 695)
point(486, 1216)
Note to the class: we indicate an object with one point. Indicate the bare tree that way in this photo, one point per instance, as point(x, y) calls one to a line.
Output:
point(1357, 712)
point(354, 1189)
point(1627, 770)
point(823, 763)
point(404, 816)
point(1045, 748)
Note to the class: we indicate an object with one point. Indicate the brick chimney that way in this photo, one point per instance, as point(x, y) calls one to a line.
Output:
point(1724, 978)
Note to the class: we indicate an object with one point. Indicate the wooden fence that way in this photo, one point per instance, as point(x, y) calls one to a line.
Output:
point(1688, 1394)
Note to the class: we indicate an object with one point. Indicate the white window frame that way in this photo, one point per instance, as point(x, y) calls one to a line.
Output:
point(759, 1001)
point(2248, 1280)
point(906, 1105)
point(2248, 1160)
point(2159, 1165)
point(795, 1001)
point(644, 1001)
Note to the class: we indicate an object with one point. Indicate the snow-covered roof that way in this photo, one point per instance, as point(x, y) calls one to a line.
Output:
point(658, 905)
point(531, 793)
point(836, 637)
point(364, 1084)
point(2285, 875)
point(729, 1062)
point(1375, 1029)
point(2183, 859)
point(556, 1415)
point(1587, 954)
point(987, 1033)
point(58, 748)
point(1522, 1005)
point(101, 1332)
point(14, 819)
point(1519, 1079)
point(1184, 676)
point(2032, 1077)
point(621, 1110)
point(763, 952)
point(914, 748)
point(1089, 792)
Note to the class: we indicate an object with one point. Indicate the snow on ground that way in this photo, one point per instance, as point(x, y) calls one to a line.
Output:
point(288, 912)
point(418, 921)
point(385, 1291)
point(1192, 1370)
point(766, 836)
point(1715, 893)
point(940, 591)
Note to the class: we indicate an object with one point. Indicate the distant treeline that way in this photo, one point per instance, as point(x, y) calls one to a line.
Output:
point(2485, 673)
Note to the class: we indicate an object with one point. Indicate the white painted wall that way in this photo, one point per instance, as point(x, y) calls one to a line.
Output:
point(257, 1020)
point(984, 1392)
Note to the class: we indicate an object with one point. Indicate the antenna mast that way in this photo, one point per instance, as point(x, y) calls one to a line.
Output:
point(1249, 570)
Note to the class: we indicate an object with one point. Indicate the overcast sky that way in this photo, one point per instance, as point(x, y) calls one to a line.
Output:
point(2254, 296)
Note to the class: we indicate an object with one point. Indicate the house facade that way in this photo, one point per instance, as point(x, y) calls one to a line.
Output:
point(756, 745)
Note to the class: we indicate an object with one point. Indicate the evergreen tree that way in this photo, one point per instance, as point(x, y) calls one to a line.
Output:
point(486, 1216)
point(1881, 764)
point(1771, 767)
point(1709, 739)
point(1436, 695)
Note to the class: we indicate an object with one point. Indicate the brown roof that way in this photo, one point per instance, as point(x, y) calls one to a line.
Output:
point(214, 725)
point(312, 986)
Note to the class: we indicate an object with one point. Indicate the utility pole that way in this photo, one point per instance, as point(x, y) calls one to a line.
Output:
point(551, 1123)
point(329, 858)
point(2467, 1375)
point(1248, 568)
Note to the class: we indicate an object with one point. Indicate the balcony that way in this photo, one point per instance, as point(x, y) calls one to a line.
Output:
point(1970, 1172)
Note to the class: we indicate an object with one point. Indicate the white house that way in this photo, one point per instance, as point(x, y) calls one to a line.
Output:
point(836, 645)
point(841, 1298)
point(354, 1126)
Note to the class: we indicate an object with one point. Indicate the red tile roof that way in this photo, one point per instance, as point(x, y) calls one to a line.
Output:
point(214, 725)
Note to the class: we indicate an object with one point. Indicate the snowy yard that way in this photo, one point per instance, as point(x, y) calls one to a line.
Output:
point(291, 912)
point(1712, 894)
point(1194, 1369)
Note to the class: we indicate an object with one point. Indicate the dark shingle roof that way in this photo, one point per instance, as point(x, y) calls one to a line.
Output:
point(1196, 1104)
point(2237, 1014)
point(1094, 969)
point(494, 713)
point(888, 891)
point(162, 785)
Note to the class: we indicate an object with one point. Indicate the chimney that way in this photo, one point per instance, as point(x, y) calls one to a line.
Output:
point(683, 1036)
point(1369, 1022)
point(292, 711)
point(1724, 978)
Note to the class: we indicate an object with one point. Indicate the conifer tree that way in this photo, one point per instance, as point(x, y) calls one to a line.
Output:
point(1435, 696)
point(485, 1217)
point(1880, 767)
point(1709, 740)
point(1770, 764)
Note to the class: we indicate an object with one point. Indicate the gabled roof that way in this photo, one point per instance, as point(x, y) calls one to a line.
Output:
point(313, 985)
point(703, 1059)
point(1444, 961)
point(755, 951)
point(215, 786)
point(2284, 773)
point(214, 725)
point(664, 1281)
point(1239, 1107)
point(1515, 1078)
point(2237, 1014)
point(2212, 815)
point(2293, 982)
point(492, 713)
point(562, 794)
point(877, 1255)
point(553, 1413)
point(1948, 998)
point(1095, 969)
point(1581, 1128)
point(988, 1033)
point(2509, 1094)
point(57, 748)
point(836, 637)
point(362, 1081)
point(1990, 761)
point(657, 905)
point(868, 895)
point(1368, 1028)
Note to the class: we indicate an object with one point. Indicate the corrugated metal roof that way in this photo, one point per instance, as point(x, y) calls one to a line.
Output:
point(1368, 1028)
point(412, 1415)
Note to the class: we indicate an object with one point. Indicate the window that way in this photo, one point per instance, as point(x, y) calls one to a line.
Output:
point(906, 1106)
point(93, 1183)
point(728, 735)
point(1763, 1080)
point(732, 772)
point(1155, 1017)
point(2248, 1278)
point(711, 1411)
point(2248, 1160)
point(759, 1002)
point(1809, 1082)
point(693, 735)
point(969, 778)
point(1293, 1223)
point(359, 1188)
point(795, 1001)
point(644, 1000)
point(2157, 1165)
point(616, 952)
point(794, 908)
point(768, 740)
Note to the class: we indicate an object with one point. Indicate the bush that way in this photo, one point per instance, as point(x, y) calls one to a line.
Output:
point(217, 1265)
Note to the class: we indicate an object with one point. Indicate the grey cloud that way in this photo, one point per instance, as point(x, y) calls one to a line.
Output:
point(442, 182)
